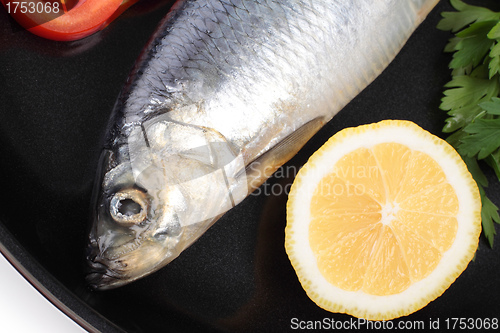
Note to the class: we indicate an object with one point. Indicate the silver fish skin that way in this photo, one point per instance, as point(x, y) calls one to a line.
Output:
point(224, 93)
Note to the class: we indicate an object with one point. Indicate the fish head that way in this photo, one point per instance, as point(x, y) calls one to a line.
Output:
point(153, 203)
point(136, 227)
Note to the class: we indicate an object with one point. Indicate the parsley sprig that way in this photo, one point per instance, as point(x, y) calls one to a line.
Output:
point(471, 98)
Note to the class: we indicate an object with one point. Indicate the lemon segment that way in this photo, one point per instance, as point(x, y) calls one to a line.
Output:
point(381, 220)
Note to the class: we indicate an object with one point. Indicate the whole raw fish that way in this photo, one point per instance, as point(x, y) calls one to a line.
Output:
point(224, 93)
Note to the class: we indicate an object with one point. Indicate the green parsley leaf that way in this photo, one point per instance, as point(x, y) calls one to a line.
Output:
point(452, 45)
point(467, 90)
point(494, 162)
point(489, 211)
point(489, 214)
point(483, 140)
point(471, 98)
point(492, 106)
point(473, 46)
point(494, 65)
point(463, 99)
point(455, 138)
point(476, 171)
point(495, 32)
point(467, 14)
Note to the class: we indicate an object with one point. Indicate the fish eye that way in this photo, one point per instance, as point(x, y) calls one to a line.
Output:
point(129, 206)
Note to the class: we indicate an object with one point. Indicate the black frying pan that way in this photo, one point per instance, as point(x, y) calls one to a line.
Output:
point(55, 100)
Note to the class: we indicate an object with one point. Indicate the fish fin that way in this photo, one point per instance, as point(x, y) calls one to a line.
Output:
point(267, 163)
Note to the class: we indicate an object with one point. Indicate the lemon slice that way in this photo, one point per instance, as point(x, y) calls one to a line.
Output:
point(381, 220)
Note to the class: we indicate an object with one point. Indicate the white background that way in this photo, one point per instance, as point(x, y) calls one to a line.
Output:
point(24, 309)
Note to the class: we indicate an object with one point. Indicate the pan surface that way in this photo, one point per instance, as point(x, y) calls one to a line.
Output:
point(55, 100)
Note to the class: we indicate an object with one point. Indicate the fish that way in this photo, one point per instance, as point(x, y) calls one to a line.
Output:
point(222, 95)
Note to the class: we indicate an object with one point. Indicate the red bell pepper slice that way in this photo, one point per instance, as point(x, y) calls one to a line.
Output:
point(84, 19)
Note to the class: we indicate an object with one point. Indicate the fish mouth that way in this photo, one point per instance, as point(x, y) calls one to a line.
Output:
point(99, 275)
point(101, 281)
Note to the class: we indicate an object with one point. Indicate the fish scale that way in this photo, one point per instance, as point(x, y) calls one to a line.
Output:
point(223, 94)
